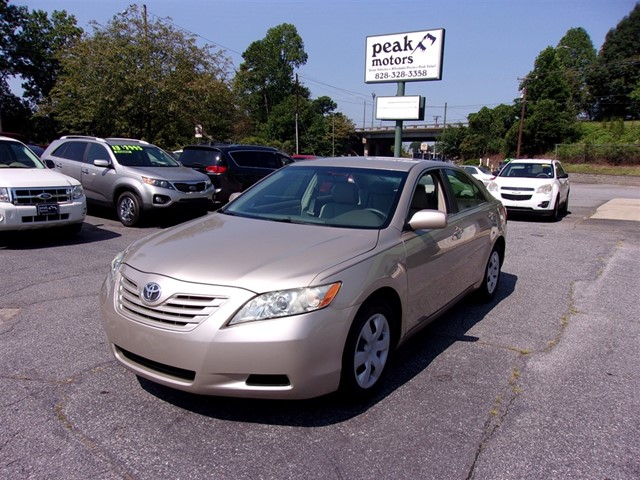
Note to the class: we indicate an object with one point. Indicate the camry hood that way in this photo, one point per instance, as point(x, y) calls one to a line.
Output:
point(34, 178)
point(257, 255)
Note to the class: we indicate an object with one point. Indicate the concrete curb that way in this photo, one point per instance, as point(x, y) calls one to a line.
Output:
point(605, 179)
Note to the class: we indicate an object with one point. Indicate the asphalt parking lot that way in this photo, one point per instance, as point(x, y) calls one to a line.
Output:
point(540, 384)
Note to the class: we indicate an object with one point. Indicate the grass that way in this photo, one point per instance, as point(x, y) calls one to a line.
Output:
point(627, 170)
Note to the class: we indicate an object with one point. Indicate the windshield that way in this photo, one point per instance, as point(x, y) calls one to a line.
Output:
point(16, 155)
point(142, 156)
point(331, 196)
point(528, 170)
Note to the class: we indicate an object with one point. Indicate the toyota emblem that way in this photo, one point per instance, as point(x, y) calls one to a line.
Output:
point(151, 292)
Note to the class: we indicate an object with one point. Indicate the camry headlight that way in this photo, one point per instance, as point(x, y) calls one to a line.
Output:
point(284, 303)
point(115, 265)
point(157, 183)
point(546, 188)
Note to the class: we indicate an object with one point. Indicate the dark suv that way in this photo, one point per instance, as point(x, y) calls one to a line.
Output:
point(232, 168)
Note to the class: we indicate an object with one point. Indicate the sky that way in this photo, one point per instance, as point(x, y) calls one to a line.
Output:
point(489, 44)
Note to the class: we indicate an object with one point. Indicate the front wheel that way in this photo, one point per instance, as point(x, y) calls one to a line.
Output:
point(489, 286)
point(367, 351)
point(129, 209)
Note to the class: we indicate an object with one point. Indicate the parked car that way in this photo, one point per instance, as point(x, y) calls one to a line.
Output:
point(231, 167)
point(32, 196)
point(132, 175)
point(481, 173)
point(328, 267)
point(535, 186)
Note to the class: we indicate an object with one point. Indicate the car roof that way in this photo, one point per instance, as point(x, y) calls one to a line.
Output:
point(532, 160)
point(109, 140)
point(229, 146)
point(381, 163)
point(10, 139)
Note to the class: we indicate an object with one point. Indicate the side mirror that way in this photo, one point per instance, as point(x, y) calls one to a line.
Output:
point(428, 219)
point(102, 163)
point(234, 195)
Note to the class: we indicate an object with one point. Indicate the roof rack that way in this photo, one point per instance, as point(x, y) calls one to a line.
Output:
point(86, 137)
point(119, 139)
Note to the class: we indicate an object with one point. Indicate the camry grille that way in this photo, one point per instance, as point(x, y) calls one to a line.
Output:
point(181, 311)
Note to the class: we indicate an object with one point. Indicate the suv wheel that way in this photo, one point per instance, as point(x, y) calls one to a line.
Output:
point(128, 209)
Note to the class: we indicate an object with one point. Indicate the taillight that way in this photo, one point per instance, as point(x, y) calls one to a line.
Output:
point(216, 169)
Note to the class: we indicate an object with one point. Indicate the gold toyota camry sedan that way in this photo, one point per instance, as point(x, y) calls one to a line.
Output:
point(307, 282)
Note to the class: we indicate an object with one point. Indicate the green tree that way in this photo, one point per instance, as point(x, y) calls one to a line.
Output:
point(549, 113)
point(615, 81)
point(487, 129)
point(547, 80)
point(38, 43)
point(12, 114)
point(142, 78)
point(451, 140)
point(266, 76)
point(546, 124)
point(577, 57)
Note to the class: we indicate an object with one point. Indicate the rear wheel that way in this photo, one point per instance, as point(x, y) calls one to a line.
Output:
point(128, 209)
point(367, 351)
point(489, 286)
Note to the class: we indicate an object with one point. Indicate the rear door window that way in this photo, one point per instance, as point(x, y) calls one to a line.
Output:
point(71, 151)
point(199, 157)
point(256, 159)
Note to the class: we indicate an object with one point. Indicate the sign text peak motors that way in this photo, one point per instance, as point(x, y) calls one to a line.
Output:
point(405, 57)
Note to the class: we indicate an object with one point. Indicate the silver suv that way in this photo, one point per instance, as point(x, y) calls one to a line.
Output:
point(132, 175)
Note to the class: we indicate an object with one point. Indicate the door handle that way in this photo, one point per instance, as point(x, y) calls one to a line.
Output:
point(85, 171)
point(457, 233)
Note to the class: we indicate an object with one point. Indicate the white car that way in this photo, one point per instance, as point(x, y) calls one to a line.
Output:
point(32, 196)
point(481, 173)
point(536, 186)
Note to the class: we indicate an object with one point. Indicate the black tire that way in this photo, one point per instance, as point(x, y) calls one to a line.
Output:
point(491, 279)
point(565, 206)
point(555, 214)
point(367, 351)
point(128, 209)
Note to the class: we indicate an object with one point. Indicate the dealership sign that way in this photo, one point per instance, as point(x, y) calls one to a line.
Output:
point(405, 57)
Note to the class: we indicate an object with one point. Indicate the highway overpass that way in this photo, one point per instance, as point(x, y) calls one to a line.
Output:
point(380, 140)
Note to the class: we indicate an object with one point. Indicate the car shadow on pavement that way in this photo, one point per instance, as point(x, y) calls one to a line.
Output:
point(410, 360)
point(153, 219)
point(48, 238)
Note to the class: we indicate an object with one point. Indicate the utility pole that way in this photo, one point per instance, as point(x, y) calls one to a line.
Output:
point(524, 101)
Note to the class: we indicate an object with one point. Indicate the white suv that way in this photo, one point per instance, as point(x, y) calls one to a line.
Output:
point(32, 196)
point(534, 186)
point(132, 175)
